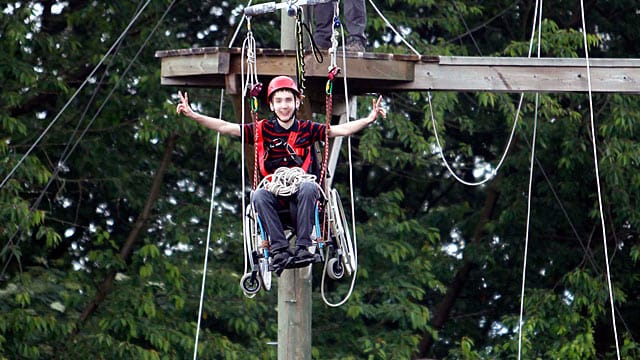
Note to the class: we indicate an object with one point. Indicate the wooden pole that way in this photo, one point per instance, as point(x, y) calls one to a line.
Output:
point(294, 285)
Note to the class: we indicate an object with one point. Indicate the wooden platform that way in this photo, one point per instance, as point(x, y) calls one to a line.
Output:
point(381, 73)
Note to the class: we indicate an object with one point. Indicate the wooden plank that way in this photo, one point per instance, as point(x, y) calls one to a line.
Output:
point(195, 64)
point(525, 75)
point(543, 62)
point(358, 66)
point(367, 72)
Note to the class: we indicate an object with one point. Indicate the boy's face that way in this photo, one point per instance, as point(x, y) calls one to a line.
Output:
point(283, 104)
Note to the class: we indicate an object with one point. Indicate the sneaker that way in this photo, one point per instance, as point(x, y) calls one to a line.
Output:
point(281, 258)
point(355, 44)
point(302, 253)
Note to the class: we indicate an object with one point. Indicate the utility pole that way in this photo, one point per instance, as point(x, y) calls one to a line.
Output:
point(294, 285)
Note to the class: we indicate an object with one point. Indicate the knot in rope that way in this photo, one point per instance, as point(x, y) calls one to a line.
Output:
point(286, 181)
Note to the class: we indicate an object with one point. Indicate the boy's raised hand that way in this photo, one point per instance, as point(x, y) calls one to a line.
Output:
point(377, 109)
point(183, 105)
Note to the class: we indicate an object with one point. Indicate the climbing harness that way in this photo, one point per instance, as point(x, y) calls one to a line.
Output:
point(298, 155)
point(331, 238)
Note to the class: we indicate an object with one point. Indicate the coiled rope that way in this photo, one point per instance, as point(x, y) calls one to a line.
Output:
point(286, 181)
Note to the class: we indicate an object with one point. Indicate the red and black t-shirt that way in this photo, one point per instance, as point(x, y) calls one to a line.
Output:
point(274, 136)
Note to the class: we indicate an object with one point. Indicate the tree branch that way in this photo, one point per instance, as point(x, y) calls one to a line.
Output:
point(443, 309)
point(138, 226)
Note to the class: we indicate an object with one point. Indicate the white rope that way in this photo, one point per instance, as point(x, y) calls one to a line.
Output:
point(502, 157)
point(433, 121)
point(86, 80)
point(209, 228)
point(66, 153)
point(394, 29)
point(211, 207)
point(537, 19)
point(248, 48)
point(526, 239)
point(286, 181)
point(597, 171)
point(351, 196)
point(600, 206)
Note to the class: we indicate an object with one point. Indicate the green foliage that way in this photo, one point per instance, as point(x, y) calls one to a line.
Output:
point(74, 230)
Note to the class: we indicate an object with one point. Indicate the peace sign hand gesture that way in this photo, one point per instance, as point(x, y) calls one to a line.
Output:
point(183, 105)
point(376, 110)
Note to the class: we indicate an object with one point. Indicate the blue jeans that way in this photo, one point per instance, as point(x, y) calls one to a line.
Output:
point(302, 206)
point(355, 20)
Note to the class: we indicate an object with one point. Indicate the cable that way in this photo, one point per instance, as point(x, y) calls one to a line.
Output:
point(209, 227)
point(211, 207)
point(67, 152)
point(597, 171)
point(433, 122)
point(609, 283)
point(537, 19)
point(352, 200)
point(394, 29)
point(86, 80)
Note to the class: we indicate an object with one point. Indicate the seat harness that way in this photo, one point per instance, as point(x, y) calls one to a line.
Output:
point(298, 154)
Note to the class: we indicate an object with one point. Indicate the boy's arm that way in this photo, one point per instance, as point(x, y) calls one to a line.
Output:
point(353, 127)
point(223, 127)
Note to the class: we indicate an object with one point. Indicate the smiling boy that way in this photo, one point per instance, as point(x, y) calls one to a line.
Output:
point(284, 141)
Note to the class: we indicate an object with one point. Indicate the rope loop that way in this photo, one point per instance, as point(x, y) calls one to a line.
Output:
point(286, 181)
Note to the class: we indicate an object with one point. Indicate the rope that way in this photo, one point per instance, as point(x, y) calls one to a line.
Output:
point(609, 284)
point(537, 19)
point(286, 181)
point(86, 80)
point(211, 208)
point(597, 171)
point(253, 87)
point(433, 121)
point(599, 191)
point(68, 151)
point(351, 196)
point(398, 34)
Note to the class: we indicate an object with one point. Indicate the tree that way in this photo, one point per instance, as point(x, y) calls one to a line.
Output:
point(104, 223)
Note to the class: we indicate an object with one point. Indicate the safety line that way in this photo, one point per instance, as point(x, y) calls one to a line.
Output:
point(212, 200)
point(352, 198)
point(609, 283)
point(209, 229)
point(67, 152)
point(33, 146)
point(433, 121)
point(597, 173)
point(393, 28)
point(537, 19)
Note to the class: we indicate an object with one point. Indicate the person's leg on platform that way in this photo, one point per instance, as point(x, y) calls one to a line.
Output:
point(323, 14)
point(355, 18)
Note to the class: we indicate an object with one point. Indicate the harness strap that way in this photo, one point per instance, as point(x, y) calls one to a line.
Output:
point(261, 152)
point(255, 91)
point(333, 72)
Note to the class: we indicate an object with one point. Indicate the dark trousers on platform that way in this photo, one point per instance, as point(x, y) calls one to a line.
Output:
point(355, 20)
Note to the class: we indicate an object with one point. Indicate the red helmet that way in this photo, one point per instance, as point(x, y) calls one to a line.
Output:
point(282, 82)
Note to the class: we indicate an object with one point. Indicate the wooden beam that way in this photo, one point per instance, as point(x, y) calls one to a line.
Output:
point(376, 72)
point(526, 75)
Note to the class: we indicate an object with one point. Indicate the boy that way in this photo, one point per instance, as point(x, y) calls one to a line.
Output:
point(278, 148)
